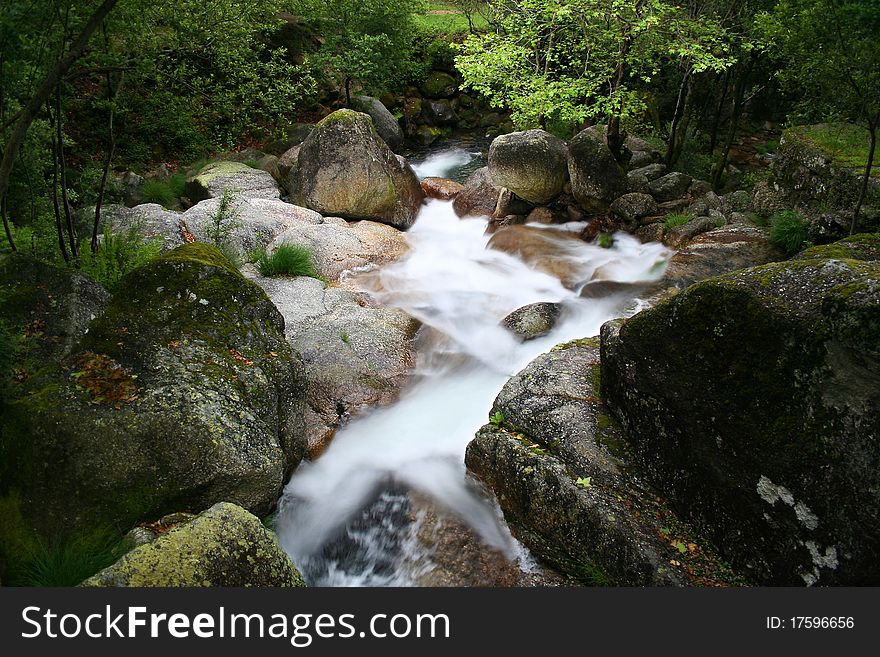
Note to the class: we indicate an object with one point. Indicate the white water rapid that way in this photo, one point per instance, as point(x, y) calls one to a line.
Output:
point(343, 517)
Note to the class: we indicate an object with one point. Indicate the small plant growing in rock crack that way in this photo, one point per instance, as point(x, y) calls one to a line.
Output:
point(286, 260)
point(344, 337)
point(584, 482)
point(675, 219)
point(224, 221)
point(497, 419)
point(605, 240)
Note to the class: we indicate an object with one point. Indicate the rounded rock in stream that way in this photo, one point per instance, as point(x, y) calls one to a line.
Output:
point(533, 321)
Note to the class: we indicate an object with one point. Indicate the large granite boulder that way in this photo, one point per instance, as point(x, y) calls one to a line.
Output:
point(596, 177)
point(49, 308)
point(344, 169)
point(721, 251)
point(356, 356)
point(223, 546)
point(183, 392)
point(751, 401)
point(386, 125)
point(531, 164)
point(552, 456)
point(219, 178)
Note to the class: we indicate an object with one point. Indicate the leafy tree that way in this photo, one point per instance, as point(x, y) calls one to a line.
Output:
point(572, 60)
point(365, 41)
point(832, 53)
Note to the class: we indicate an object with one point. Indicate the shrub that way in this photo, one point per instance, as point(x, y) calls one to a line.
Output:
point(117, 254)
point(287, 260)
point(676, 219)
point(223, 222)
point(605, 240)
point(788, 231)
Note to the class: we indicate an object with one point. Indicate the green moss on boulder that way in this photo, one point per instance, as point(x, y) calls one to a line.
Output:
point(224, 546)
point(182, 394)
point(751, 399)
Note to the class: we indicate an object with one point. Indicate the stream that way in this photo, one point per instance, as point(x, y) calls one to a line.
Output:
point(348, 518)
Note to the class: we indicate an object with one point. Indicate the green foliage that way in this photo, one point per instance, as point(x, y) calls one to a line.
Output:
point(9, 344)
point(788, 231)
point(720, 221)
point(68, 561)
point(453, 18)
point(676, 219)
point(165, 193)
point(845, 143)
point(366, 41)
point(584, 482)
point(287, 260)
point(118, 253)
point(567, 61)
point(497, 419)
point(605, 240)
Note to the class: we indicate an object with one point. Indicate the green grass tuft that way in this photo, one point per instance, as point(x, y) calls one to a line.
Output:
point(167, 194)
point(788, 231)
point(117, 254)
point(287, 260)
point(676, 219)
point(69, 561)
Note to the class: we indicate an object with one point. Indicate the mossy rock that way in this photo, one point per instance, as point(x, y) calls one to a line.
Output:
point(865, 246)
point(751, 399)
point(438, 84)
point(553, 457)
point(223, 546)
point(217, 178)
point(344, 169)
point(182, 394)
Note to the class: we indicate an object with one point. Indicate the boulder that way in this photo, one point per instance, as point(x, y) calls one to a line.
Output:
point(510, 204)
point(768, 199)
point(720, 251)
point(670, 186)
point(679, 236)
point(383, 120)
point(438, 112)
point(534, 320)
point(341, 247)
point(479, 196)
point(650, 171)
point(286, 163)
point(223, 546)
point(217, 178)
point(439, 84)
point(596, 177)
point(641, 159)
point(132, 189)
point(552, 458)
point(345, 169)
point(633, 206)
point(356, 356)
point(183, 393)
point(441, 188)
point(636, 181)
point(50, 307)
point(531, 164)
point(751, 399)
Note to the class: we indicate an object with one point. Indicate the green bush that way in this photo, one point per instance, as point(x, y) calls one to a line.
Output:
point(788, 231)
point(676, 219)
point(167, 194)
point(117, 254)
point(9, 341)
point(287, 260)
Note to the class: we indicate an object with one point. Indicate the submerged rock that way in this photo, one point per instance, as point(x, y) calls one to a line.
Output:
point(441, 188)
point(344, 169)
point(751, 399)
point(546, 249)
point(223, 546)
point(183, 393)
point(533, 321)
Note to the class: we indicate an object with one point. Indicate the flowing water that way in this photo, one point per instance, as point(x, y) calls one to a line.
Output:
point(345, 518)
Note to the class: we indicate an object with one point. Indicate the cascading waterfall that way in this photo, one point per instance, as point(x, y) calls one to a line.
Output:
point(343, 518)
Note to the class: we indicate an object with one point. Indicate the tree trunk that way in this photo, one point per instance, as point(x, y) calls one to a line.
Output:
point(44, 92)
point(866, 179)
point(736, 115)
point(62, 162)
point(59, 228)
point(111, 149)
point(672, 147)
point(716, 122)
point(614, 138)
point(6, 224)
